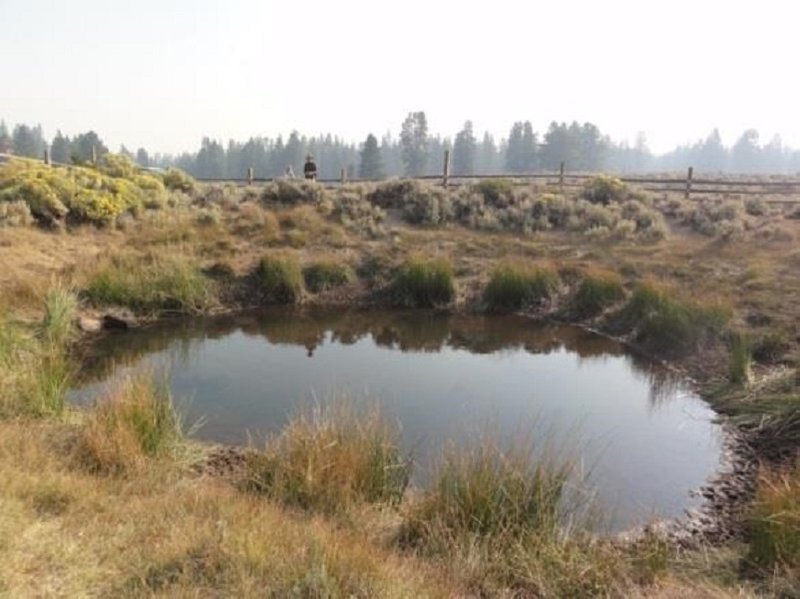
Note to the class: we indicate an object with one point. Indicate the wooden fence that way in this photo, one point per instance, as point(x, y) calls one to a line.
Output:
point(770, 185)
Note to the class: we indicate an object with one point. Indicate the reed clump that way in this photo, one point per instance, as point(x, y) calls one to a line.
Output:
point(424, 283)
point(279, 279)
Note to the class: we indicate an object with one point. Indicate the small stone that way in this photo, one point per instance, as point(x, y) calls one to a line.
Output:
point(88, 324)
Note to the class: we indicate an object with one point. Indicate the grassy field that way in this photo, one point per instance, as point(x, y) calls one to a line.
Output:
point(116, 500)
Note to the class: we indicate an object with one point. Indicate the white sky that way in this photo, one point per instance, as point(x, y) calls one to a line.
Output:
point(162, 74)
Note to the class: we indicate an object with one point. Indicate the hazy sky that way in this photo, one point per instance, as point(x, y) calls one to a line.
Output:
point(162, 74)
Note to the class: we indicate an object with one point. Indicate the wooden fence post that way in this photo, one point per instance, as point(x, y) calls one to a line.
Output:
point(250, 175)
point(343, 176)
point(94, 155)
point(561, 176)
point(446, 169)
point(47, 157)
point(689, 182)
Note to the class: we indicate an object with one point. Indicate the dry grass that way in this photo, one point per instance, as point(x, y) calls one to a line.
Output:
point(64, 532)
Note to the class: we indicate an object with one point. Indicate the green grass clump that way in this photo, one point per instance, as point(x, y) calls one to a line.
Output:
point(331, 458)
point(666, 323)
point(153, 283)
point(516, 286)
point(326, 274)
point(596, 292)
point(424, 283)
point(35, 370)
point(135, 423)
point(279, 279)
point(60, 308)
point(774, 522)
point(489, 491)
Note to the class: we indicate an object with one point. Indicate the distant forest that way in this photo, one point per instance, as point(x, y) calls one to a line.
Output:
point(583, 147)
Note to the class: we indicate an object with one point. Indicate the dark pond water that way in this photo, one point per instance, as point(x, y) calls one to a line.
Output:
point(645, 438)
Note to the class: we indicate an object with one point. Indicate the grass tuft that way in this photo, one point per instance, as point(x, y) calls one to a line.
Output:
point(326, 274)
point(425, 283)
point(739, 359)
point(596, 292)
point(60, 307)
point(489, 491)
point(668, 324)
point(774, 522)
point(331, 458)
point(135, 423)
point(279, 279)
point(514, 286)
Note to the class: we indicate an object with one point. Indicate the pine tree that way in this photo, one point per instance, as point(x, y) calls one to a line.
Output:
point(514, 150)
point(5, 139)
point(61, 148)
point(371, 165)
point(28, 141)
point(142, 157)
point(464, 150)
point(414, 144)
point(82, 147)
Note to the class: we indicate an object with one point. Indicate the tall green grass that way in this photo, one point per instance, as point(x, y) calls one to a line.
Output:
point(596, 292)
point(424, 283)
point(326, 274)
point(667, 323)
point(515, 286)
point(135, 423)
point(330, 458)
point(774, 522)
point(488, 491)
point(279, 280)
point(60, 309)
point(35, 370)
point(739, 358)
point(153, 283)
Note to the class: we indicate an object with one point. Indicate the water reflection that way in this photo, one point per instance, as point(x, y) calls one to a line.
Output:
point(406, 331)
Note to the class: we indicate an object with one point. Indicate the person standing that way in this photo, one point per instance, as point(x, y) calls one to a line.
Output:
point(310, 168)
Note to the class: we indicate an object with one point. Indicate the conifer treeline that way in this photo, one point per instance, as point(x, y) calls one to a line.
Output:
point(418, 152)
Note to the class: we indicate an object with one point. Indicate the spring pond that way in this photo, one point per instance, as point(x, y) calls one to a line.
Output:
point(642, 436)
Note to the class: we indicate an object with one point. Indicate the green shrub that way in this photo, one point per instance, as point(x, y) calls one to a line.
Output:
point(15, 214)
point(151, 283)
point(496, 192)
point(596, 292)
point(605, 190)
point(774, 522)
point(331, 458)
point(326, 274)
point(515, 286)
point(279, 280)
point(668, 324)
point(80, 194)
point(177, 180)
point(287, 191)
point(424, 283)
